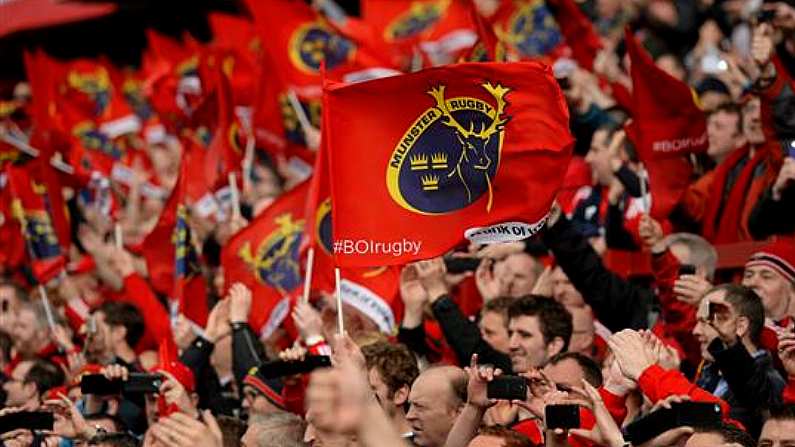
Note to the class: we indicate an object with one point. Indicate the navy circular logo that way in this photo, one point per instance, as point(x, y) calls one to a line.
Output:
point(449, 156)
point(532, 30)
point(419, 17)
point(323, 226)
point(314, 42)
point(276, 261)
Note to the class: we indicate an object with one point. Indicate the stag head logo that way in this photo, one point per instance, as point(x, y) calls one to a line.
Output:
point(453, 152)
point(275, 261)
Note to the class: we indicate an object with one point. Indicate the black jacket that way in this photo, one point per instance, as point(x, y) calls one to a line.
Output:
point(618, 303)
point(754, 383)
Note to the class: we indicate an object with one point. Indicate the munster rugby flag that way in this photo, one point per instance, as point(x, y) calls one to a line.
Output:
point(265, 257)
point(171, 258)
point(667, 124)
point(31, 211)
point(420, 159)
point(551, 28)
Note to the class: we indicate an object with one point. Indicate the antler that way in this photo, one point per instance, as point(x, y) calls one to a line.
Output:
point(499, 93)
point(437, 93)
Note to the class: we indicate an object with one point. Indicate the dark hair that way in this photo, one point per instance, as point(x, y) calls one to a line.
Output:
point(590, 369)
point(118, 425)
point(6, 343)
point(45, 375)
point(232, 429)
point(730, 434)
point(747, 304)
point(510, 437)
point(19, 291)
point(553, 318)
point(114, 440)
point(395, 364)
point(732, 109)
point(127, 315)
point(785, 412)
point(500, 306)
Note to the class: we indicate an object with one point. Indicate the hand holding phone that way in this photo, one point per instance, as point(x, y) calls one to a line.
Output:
point(26, 420)
point(565, 416)
point(507, 388)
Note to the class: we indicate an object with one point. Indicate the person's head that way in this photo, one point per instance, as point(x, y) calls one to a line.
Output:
point(262, 395)
point(712, 92)
point(599, 157)
point(497, 436)
point(725, 131)
point(563, 291)
point(391, 369)
point(670, 64)
point(569, 368)
point(752, 120)
point(746, 305)
point(113, 440)
point(30, 380)
point(779, 428)
point(6, 343)
point(120, 325)
point(539, 328)
point(10, 296)
point(693, 249)
point(704, 333)
point(770, 272)
point(266, 181)
point(720, 435)
point(493, 323)
point(436, 399)
point(107, 422)
point(280, 428)
point(232, 430)
point(30, 331)
point(583, 330)
point(316, 437)
point(518, 273)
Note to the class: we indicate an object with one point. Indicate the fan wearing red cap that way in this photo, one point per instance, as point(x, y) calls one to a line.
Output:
point(770, 272)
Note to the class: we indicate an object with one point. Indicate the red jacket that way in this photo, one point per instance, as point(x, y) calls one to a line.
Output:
point(657, 384)
point(679, 317)
point(157, 322)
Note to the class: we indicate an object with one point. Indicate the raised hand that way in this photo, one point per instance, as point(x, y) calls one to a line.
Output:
point(239, 303)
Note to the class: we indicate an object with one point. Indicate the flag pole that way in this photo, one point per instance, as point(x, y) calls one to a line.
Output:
point(303, 120)
point(117, 233)
point(235, 196)
point(340, 322)
point(310, 257)
point(47, 308)
point(644, 200)
point(248, 158)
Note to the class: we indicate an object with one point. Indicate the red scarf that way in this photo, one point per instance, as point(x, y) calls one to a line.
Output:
point(726, 227)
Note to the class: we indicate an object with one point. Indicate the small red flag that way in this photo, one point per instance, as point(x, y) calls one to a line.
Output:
point(265, 257)
point(171, 258)
point(29, 208)
point(667, 124)
point(441, 152)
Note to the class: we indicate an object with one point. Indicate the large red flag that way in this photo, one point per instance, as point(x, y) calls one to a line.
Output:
point(667, 124)
point(171, 258)
point(265, 256)
point(439, 152)
point(552, 28)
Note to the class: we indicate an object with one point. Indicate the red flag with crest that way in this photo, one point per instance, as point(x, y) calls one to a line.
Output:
point(478, 148)
point(264, 256)
point(171, 257)
point(30, 210)
point(667, 125)
point(546, 29)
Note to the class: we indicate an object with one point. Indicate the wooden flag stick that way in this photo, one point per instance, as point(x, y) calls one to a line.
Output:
point(340, 322)
point(303, 120)
point(47, 308)
point(248, 159)
point(644, 200)
point(235, 196)
point(310, 258)
point(117, 235)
